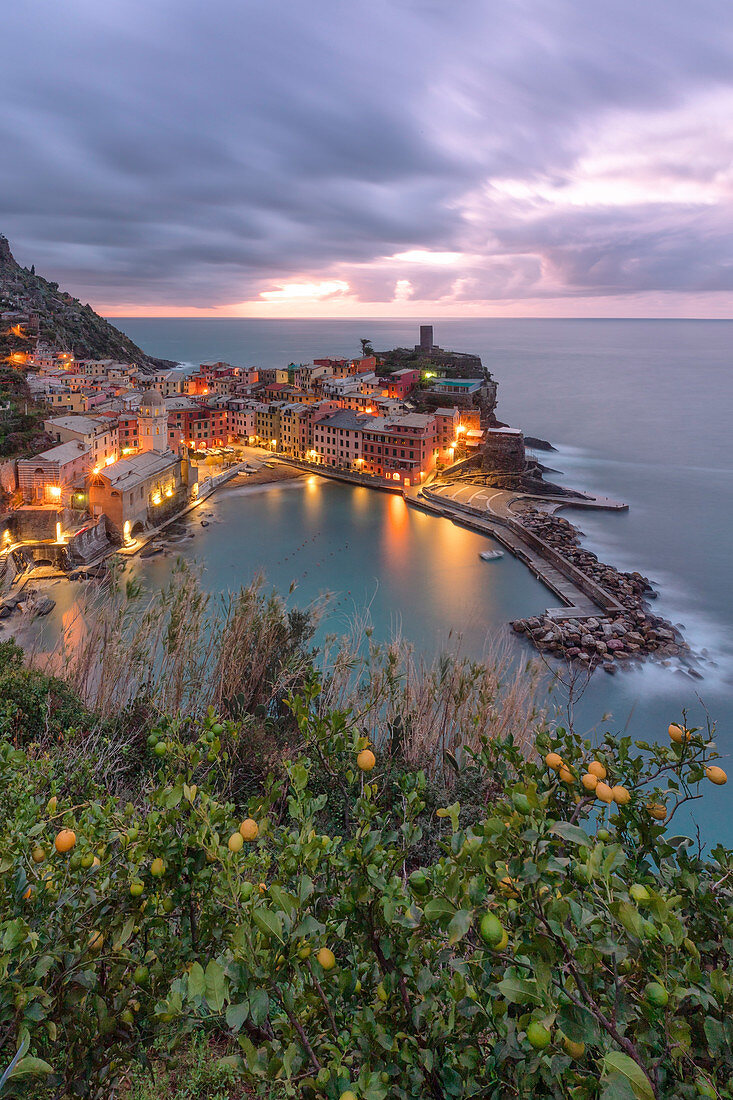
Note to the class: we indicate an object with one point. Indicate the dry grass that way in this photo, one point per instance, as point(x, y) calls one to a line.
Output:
point(181, 651)
point(431, 710)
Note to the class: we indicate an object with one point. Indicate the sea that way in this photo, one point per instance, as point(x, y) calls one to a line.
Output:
point(638, 410)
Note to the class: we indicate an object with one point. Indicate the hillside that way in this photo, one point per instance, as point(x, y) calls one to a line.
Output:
point(62, 319)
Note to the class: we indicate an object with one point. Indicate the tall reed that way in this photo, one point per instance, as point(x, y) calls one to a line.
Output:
point(180, 651)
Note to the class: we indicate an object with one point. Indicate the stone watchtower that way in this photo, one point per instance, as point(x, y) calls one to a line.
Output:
point(426, 337)
point(152, 422)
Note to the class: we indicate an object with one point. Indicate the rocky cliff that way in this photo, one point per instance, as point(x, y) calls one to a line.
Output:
point(62, 320)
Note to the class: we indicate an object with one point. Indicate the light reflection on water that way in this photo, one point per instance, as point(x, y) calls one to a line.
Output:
point(363, 547)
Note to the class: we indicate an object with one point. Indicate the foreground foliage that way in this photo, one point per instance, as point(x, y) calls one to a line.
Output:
point(558, 946)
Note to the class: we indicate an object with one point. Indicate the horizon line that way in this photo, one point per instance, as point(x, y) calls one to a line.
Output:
point(378, 317)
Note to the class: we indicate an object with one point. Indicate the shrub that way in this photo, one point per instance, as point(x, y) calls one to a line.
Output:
point(558, 947)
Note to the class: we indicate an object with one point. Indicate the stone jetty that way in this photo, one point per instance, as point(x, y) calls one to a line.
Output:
point(607, 641)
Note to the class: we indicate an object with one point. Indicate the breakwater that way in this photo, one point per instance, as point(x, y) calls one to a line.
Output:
point(627, 632)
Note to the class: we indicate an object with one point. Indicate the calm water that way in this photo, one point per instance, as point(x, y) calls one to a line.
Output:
point(639, 410)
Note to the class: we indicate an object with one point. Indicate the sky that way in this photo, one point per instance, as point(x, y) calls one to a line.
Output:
point(337, 158)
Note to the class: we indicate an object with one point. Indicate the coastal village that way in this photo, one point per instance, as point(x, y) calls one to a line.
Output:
point(129, 447)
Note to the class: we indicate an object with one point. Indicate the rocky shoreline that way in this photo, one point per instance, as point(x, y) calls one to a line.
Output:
point(605, 641)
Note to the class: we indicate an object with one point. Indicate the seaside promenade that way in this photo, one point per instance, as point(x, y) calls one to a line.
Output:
point(488, 511)
point(580, 598)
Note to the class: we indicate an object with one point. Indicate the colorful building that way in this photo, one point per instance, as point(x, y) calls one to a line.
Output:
point(98, 434)
point(51, 477)
point(401, 449)
point(401, 382)
point(337, 439)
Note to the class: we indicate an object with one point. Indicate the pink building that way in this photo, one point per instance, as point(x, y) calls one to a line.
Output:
point(400, 383)
point(49, 477)
point(401, 449)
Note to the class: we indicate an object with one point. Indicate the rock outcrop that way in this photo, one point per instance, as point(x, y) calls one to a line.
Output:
point(59, 319)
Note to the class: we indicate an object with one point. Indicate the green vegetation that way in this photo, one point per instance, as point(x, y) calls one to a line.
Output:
point(21, 418)
point(321, 927)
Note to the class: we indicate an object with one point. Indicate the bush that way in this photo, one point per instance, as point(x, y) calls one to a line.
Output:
point(32, 704)
point(558, 947)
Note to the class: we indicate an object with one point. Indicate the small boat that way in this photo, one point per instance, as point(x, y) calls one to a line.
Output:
point(491, 555)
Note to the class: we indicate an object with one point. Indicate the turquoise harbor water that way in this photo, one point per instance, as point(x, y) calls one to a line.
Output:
point(639, 410)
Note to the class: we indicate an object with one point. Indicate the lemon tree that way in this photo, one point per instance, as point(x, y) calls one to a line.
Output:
point(563, 944)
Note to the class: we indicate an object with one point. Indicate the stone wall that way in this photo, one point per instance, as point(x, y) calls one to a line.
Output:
point(503, 450)
point(89, 543)
point(9, 476)
point(30, 524)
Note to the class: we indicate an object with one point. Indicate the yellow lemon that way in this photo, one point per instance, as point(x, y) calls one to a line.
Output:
point(620, 796)
point(326, 958)
point(366, 760)
point(604, 792)
point(575, 1050)
point(716, 775)
point(249, 829)
point(553, 760)
point(235, 842)
point(96, 941)
point(596, 768)
point(589, 781)
point(65, 841)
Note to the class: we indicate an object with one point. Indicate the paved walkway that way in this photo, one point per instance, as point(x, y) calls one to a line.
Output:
point(498, 502)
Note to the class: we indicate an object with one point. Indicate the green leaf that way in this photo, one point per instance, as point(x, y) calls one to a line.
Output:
point(127, 930)
point(309, 926)
point(714, 1035)
point(679, 1035)
point(283, 899)
point(231, 1061)
point(299, 777)
point(438, 909)
point(30, 1066)
point(15, 932)
point(459, 925)
point(216, 986)
point(617, 1087)
point(577, 1023)
point(196, 981)
point(236, 1015)
point(269, 923)
point(306, 888)
point(259, 1006)
point(616, 1062)
point(519, 991)
point(44, 964)
point(631, 918)
point(572, 833)
point(174, 797)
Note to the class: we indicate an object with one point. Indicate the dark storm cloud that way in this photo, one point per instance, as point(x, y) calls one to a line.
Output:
point(191, 153)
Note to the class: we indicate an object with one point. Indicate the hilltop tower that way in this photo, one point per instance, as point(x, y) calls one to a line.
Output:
point(152, 422)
